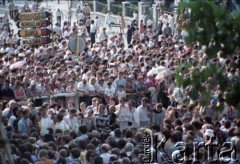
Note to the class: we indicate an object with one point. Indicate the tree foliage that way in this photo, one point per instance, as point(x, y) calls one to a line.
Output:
point(218, 29)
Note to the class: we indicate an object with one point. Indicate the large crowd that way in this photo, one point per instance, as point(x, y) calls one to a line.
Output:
point(125, 83)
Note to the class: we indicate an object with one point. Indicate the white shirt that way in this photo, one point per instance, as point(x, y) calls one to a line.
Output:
point(93, 28)
point(178, 94)
point(103, 36)
point(4, 35)
point(105, 157)
point(123, 113)
point(80, 16)
point(66, 33)
point(59, 13)
point(72, 123)
point(58, 30)
point(62, 126)
point(135, 16)
point(83, 86)
point(143, 113)
point(121, 93)
point(134, 117)
point(46, 123)
point(109, 91)
point(98, 23)
point(101, 89)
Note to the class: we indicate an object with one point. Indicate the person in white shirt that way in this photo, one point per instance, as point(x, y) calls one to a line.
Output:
point(72, 120)
point(144, 18)
point(80, 17)
point(61, 124)
point(103, 35)
point(149, 22)
point(46, 121)
point(121, 92)
point(109, 92)
point(178, 95)
point(57, 29)
point(67, 32)
point(97, 23)
point(144, 113)
point(4, 35)
point(135, 18)
point(105, 153)
point(134, 119)
point(123, 114)
point(93, 30)
point(83, 86)
point(108, 20)
point(41, 89)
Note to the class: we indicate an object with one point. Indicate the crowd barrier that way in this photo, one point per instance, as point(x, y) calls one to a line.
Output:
point(64, 98)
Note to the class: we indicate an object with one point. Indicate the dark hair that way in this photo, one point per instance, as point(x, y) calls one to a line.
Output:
point(121, 143)
point(88, 154)
point(112, 142)
point(189, 127)
point(90, 147)
point(197, 125)
point(128, 133)
point(83, 129)
point(117, 133)
point(60, 116)
point(66, 139)
point(24, 161)
point(176, 136)
point(61, 160)
point(75, 153)
point(156, 127)
point(178, 122)
point(227, 124)
point(73, 135)
point(208, 119)
point(82, 144)
point(179, 128)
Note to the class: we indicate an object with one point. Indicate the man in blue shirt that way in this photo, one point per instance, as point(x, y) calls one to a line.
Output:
point(24, 123)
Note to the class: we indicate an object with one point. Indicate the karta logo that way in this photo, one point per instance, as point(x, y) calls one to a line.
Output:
point(185, 152)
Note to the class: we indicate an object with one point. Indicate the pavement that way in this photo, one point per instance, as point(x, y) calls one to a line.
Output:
point(52, 6)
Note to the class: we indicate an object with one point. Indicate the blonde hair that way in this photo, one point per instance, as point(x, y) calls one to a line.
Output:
point(92, 80)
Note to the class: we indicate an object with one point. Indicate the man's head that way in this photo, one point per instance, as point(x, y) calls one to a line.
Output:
point(105, 148)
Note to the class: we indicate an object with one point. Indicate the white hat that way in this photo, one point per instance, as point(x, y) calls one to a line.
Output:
point(209, 132)
point(32, 82)
point(44, 132)
point(29, 52)
point(85, 77)
point(21, 55)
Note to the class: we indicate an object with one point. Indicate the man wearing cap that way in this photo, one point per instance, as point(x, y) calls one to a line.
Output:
point(83, 86)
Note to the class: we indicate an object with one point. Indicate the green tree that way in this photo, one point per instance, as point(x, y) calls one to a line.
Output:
point(216, 27)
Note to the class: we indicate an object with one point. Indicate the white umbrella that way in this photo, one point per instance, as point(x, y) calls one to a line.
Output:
point(155, 71)
point(163, 74)
point(18, 64)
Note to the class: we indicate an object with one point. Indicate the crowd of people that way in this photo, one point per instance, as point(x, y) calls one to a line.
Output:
point(122, 90)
